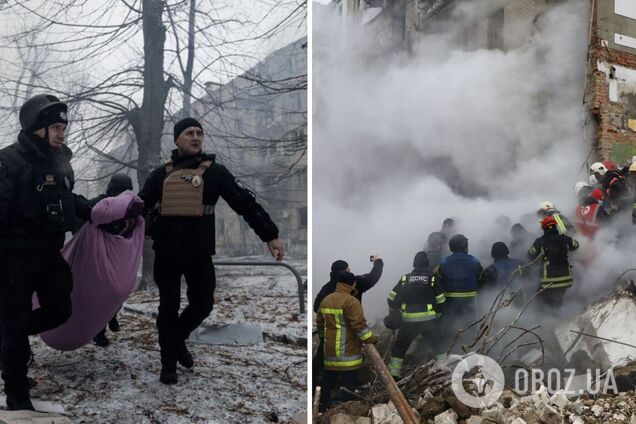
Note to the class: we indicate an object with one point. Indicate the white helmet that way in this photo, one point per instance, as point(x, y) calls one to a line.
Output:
point(580, 186)
point(598, 167)
point(544, 206)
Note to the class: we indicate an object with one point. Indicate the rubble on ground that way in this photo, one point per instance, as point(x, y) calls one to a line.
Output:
point(427, 386)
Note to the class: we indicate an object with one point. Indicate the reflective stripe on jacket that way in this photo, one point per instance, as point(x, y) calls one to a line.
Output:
point(554, 248)
point(459, 274)
point(342, 326)
point(417, 295)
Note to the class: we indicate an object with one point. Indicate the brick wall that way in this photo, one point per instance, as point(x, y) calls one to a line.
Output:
point(611, 117)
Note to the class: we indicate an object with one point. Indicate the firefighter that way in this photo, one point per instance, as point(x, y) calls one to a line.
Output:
point(363, 283)
point(418, 298)
point(614, 184)
point(343, 329)
point(37, 208)
point(459, 276)
point(564, 226)
point(557, 272)
point(591, 213)
point(186, 190)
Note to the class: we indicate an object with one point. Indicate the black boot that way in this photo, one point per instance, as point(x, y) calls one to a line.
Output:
point(19, 403)
point(168, 374)
point(100, 339)
point(113, 324)
point(184, 356)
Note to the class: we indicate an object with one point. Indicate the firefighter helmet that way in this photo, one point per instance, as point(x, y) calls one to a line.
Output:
point(609, 165)
point(581, 185)
point(598, 168)
point(596, 194)
point(544, 206)
point(548, 222)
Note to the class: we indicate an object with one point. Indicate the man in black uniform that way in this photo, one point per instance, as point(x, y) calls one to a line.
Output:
point(37, 208)
point(418, 299)
point(187, 188)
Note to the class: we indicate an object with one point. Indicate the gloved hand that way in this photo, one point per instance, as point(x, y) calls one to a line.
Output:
point(372, 339)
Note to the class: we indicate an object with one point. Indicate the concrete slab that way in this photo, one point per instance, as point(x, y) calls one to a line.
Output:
point(229, 334)
point(32, 417)
point(611, 319)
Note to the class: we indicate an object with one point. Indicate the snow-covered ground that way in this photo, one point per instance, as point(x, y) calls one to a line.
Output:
point(264, 382)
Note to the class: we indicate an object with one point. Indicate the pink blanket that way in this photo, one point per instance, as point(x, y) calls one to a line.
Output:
point(104, 271)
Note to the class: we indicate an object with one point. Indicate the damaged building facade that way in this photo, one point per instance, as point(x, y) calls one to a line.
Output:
point(610, 86)
point(257, 127)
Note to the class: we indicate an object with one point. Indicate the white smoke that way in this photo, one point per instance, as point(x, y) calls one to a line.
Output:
point(402, 141)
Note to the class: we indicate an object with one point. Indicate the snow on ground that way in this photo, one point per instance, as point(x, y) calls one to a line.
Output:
point(259, 383)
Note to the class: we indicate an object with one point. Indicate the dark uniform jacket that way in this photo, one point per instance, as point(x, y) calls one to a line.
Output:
point(459, 275)
point(498, 273)
point(417, 295)
point(615, 189)
point(554, 248)
point(36, 212)
point(363, 283)
point(197, 234)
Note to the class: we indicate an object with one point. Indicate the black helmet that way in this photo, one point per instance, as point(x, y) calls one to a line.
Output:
point(458, 243)
point(41, 111)
point(118, 184)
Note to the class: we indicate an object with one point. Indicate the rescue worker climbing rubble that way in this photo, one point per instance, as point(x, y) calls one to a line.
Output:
point(342, 328)
point(591, 213)
point(614, 184)
point(564, 226)
point(553, 248)
point(418, 298)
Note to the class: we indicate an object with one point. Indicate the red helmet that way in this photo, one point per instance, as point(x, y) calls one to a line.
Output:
point(596, 194)
point(548, 222)
point(610, 165)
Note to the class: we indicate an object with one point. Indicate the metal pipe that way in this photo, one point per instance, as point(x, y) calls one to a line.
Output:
point(299, 280)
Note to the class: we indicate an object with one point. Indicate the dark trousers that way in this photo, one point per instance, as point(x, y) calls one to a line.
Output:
point(318, 366)
point(175, 328)
point(49, 276)
point(458, 314)
point(334, 379)
point(409, 331)
point(551, 298)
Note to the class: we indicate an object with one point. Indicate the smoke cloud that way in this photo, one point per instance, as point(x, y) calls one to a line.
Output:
point(402, 141)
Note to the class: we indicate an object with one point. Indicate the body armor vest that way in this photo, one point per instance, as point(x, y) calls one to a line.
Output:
point(183, 192)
